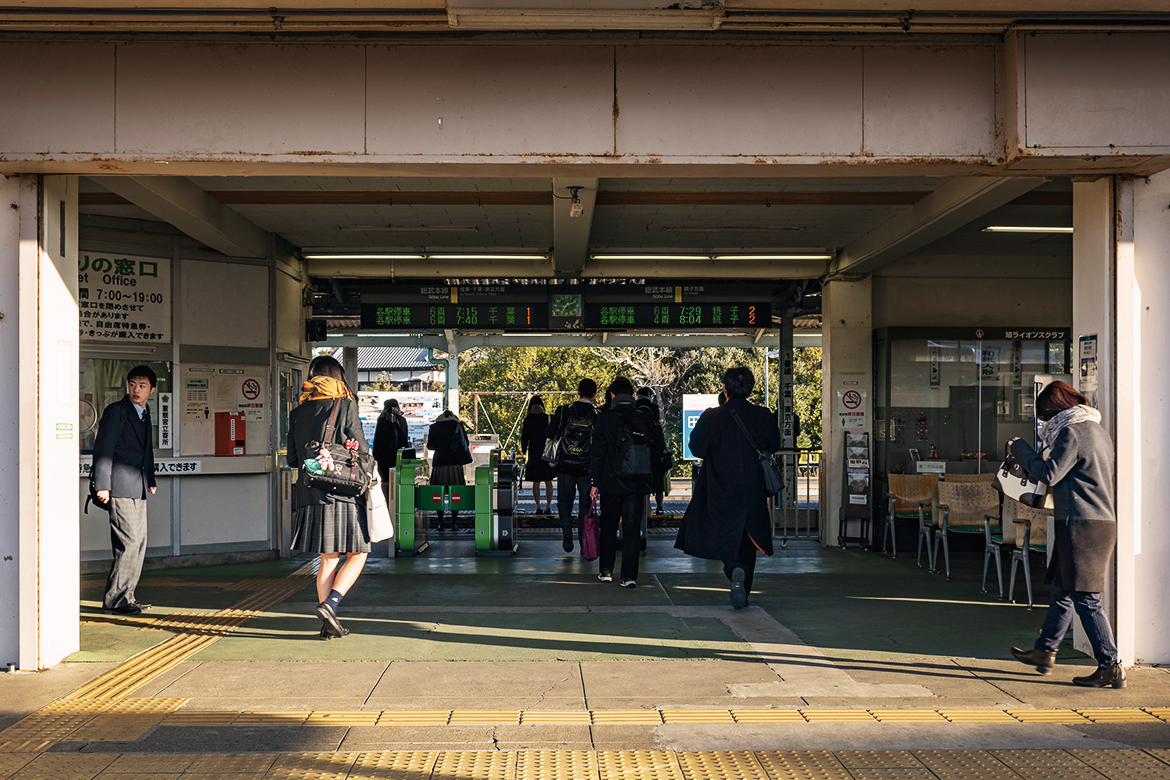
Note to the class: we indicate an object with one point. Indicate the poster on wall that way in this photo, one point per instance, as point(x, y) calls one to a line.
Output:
point(1087, 372)
point(851, 408)
point(989, 364)
point(124, 298)
point(206, 389)
point(419, 409)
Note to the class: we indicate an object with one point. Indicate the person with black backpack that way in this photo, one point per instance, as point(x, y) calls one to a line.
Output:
point(572, 428)
point(447, 439)
point(626, 446)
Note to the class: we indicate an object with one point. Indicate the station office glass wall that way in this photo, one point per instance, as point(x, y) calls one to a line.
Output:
point(959, 394)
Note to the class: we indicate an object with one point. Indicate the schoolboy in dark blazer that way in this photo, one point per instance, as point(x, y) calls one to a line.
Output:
point(123, 467)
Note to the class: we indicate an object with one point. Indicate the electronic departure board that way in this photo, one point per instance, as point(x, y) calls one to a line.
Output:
point(421, 307)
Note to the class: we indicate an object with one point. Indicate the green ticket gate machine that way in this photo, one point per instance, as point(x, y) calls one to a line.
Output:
point(496, 487)
point(410, 519)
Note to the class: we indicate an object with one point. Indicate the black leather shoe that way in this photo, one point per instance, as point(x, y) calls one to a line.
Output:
point(738, 591)
point(127, 609)
point(327, 636)
point(567, 542)
point(1105, 675)
point(326, 613)
point(1043, 661)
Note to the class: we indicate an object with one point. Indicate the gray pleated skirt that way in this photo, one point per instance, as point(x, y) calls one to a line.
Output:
point(331, 528)
point(447, 475)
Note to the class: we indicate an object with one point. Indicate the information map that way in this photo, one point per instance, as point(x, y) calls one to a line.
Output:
point(536, 307)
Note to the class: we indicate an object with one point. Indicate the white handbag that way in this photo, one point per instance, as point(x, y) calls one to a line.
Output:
point(1013, 481)
point(379, 524)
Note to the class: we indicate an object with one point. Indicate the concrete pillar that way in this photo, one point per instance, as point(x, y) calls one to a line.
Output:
point(847, 334)
point(452, 377)
point(350, 365)
point(39, 534)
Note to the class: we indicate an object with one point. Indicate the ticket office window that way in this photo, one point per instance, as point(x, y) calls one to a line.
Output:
point(103, 382)
point(957, 399)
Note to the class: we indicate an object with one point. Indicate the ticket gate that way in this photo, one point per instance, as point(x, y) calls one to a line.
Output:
point(497, 485)
point(410, 520)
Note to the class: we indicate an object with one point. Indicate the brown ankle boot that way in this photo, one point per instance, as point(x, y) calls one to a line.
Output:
point(1041, 659)
point(1105, 675)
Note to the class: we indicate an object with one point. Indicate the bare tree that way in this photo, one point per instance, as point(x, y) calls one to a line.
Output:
point(662, 369)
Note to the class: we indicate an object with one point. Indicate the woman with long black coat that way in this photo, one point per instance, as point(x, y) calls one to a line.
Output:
point(532, 441)
point(727, 519)
point(1079, 472)
point(326, 523)
point(448, 461)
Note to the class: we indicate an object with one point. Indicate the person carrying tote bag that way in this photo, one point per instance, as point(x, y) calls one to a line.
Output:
point(1079, 472)
point(327, 523)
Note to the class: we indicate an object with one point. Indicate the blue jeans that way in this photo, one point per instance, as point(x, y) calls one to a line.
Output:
point(1088, 608)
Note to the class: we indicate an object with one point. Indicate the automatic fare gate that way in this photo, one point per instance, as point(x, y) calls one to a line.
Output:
point(492, 497)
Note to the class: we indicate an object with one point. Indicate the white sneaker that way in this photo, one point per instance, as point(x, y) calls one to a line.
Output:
point(629, 584)
point(605, 577)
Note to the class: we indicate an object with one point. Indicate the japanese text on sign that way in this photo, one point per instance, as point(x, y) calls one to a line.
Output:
point(124, 298)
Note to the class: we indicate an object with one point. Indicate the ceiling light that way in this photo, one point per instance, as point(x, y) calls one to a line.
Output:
point(363, 257)
point(414, 228)
point(576, 208)
point(650, 257)
point(773, 257)
point(730, 229)
point(1025, 229)
point(488, 257)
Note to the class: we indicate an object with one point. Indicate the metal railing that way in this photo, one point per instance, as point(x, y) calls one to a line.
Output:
point(796, 512)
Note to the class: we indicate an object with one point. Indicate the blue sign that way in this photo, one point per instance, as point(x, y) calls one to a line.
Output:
point(689, 418)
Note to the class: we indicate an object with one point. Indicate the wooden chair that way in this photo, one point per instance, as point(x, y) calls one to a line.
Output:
point(955, 479)
point(961, 508)
point(909, 495)
point(1033, 536)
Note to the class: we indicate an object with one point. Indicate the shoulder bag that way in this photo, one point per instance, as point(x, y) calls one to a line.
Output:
point(773, 479)
point(332, 467)
point(1014, 482)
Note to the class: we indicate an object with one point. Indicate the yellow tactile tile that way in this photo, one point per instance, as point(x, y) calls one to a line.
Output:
point(242, 763)
point(414, 718)
point(626, 717)
point(1118, 716)
point(837, 716)
point(554, 717)
point(908, 716)
point(802, 765)
point(271, 718)
point(26, 745)
point(1082, 772)
point(721, 765)
point(10, 762)
point(484, 717)
point(255, 584)
point(556, 765)
point(200, 718)
point(311, 766)
point(405, 765)
point(1047, 716)
point(356, 718)
point(151, 763)
point(697, 716)
point(868, 759)
point(127, 721)
point(110, 774)
point(960, 759)
point(767, 716)
point(1162, 713)
point(65, 766)
point(977, 716)
point(1111, 762)
point(475, 765)
point(1037, 758)
point(638, 765)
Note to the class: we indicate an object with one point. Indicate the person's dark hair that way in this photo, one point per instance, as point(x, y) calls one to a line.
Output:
point(739, 381)
point(327, 365)
point(620, 386)
point(144, 372)
point(391, 403)
point(645, 392)
point(586, 388)
point(1055, 398)
point(534, 403)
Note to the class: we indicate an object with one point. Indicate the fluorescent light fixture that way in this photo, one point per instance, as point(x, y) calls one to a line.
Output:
point(487, 257)
point(650, 257)
point(773, 257)
point(413, 228)
point(1025, 229)
point(363, 257)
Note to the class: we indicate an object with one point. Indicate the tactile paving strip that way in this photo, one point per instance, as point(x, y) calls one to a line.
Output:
point(475, 765)
point(1119, 716)
point(555, 765)
point(414, 718)
point(319, 718)
point(697, 716)
point(407, 765)
point(837, 716)
point(721, 765)
point(10, 762)
point(65, 766)
point(767, 716)
point(242, 763)
point(863, 759)
point(149, 763)
point(908, 716)
point(802, 765)
point(484, 717)
point(639, 765)
point(625, 717)
point(977, 716)
point(127, 720)
point(271, 718)
point(311, 766)
point(1047, 716)
point(554, 718)
point(200, 718)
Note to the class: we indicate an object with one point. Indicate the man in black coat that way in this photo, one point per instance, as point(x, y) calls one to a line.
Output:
point(625, 446)
point(572, 424)
point(123, 467)
point(727, 519)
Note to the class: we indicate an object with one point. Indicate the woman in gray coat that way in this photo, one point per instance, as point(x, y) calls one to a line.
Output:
point(1079, 472)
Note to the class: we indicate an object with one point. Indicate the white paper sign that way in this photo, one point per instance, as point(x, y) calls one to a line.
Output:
point(851, 408)
point(124, 298)
point(164, 421)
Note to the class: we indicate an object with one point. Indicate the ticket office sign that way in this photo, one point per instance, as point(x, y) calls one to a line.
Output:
point(124, 298)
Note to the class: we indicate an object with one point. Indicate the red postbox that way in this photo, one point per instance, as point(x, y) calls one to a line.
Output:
point(230, 434)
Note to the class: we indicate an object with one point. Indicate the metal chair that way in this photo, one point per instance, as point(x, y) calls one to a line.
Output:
point(962, 507)
point(908, 492)
point(996, 537)
point(1034, 537)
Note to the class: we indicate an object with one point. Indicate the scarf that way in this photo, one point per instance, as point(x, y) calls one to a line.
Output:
point(1074, 414)
point(324, 388)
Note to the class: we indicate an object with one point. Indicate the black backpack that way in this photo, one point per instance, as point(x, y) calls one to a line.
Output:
point(573, 451)
point(632, 454)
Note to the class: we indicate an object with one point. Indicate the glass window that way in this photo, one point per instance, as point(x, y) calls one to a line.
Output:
point(103, 382)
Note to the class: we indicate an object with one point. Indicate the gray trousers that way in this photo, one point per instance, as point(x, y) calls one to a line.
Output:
point(128, 540)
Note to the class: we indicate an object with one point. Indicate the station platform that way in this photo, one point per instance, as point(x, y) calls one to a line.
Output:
point(848, 664)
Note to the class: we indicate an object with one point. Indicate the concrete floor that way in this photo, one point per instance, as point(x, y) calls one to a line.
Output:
point(828, 629)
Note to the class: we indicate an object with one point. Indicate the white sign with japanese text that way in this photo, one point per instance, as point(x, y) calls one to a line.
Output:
point(851, 409)
point(124, 298)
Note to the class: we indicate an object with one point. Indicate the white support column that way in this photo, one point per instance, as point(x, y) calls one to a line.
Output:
point(847, 332)
point(39, 535)
point(452, 377)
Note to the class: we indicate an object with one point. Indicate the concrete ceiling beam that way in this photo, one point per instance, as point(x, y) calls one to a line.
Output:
point(190, 209)
point(938, 214)
point(571, 234)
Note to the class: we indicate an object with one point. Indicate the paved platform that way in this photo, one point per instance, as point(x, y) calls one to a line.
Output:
point(847, 664)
